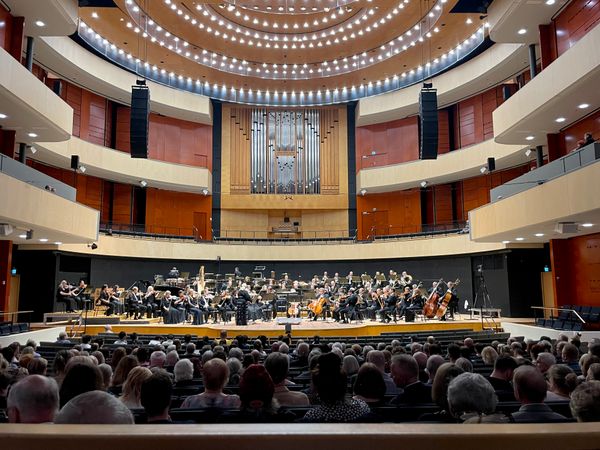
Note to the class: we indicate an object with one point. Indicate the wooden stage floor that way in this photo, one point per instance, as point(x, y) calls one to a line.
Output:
point(306, 328)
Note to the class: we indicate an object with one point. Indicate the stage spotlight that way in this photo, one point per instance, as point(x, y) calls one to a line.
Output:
point(204, 191)
point(424, 183)
point(93, 246)
point(143, 183)
point(363, 191)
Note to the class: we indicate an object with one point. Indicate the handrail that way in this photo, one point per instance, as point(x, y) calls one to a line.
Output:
point(551, 308)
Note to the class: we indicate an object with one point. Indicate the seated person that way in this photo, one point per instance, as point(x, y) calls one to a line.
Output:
point(501, 377)
point(34, 399)
point(277, 364)
point(369, 385)
point(530, 390)
point(94, 407)
point(215, 374)
point(405, 372)
point(155, 397)
point(585, 402)
point(472, 399)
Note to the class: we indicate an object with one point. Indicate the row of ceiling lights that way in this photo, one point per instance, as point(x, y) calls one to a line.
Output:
point(292, 9)
point(539, 235)
point(30, 134)
point(560, 119)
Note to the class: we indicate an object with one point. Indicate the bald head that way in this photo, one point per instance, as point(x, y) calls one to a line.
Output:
point(34, 399)
point(529, 385)
point(94, 407)
point(433, 364)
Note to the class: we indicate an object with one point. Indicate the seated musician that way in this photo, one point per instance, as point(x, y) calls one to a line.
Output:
point(347, 312)
point(115, 299)
point(135, 304)
point(349, 277)
point(150, 303)
point(454, 300)
point(204, 304)
point(79, 295)
point(405, 279)
point(405, 301)
point(341, 303)
point(193, 308)
point(170, 313)
point(242, 300)
point(320, 305)
point(105, 299)
point(225, 306)
point(180, 304)
point(373, 305)
point(64, 293)
point(390, 305)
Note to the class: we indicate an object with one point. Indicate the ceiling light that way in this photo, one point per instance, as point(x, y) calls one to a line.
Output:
point(528, 152)
point(43, 240)
point(584, 106)
point(506, 242)
point(58, 243)
point(143, 183)
point(423, 183)
point(530, 138)
point(560, 119)
point(469, 21)
point(32, 135)
point(39, 23)
point(587, 225)
point(522, 31)
point(519, 239)
point(95, 15)
point(23, 236)
point(550, 2)
point(539, 234)
point(483, 169)
point(3, 116)
point(363, 191)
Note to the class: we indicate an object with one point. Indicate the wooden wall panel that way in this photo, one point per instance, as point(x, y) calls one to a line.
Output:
point(490, 101)
point(6, 29)
point(393, 142)
point(443, 203)
point(576, 270)
point(470, 121)
point(90, 191)
point(169, 139)
point(173, 212)
point(390, 213)
point(443, 131)
point(73, 95)
point(97, 111)
point(579, 17)
point(573, 134)
point(239, 131)
point(548, 49)
point(122, 203)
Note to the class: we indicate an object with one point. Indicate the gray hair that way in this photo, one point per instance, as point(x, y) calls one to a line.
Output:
point(35, 398)
point(236, 352)
point(585, 402)
point(284, 348)
point(207, 356)
point(94, 407)
point(172, 358)
point(464, 364)
point(471, 392)
point(350, 365)
point(157, 359)
point(184, 370)
point(235, 366)
point(302, 349)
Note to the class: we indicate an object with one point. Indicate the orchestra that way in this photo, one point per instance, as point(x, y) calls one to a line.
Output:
point(338, 298)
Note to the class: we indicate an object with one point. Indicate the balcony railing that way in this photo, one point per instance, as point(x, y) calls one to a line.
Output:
point(151, 231)
point(409, 231)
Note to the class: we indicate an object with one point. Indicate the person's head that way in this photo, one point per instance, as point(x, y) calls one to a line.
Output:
point(215, 374)
point(123, 368)
point(158, 359)
point(133, 384)
point(405, 370)
point(453, 352)
point(529, 385)
point(328, 378)
point(106, 372)
point(350, 365)
point(570, 353)
point(378, 358)
point(593, 372)
point(80, 376)
point(504, 367)
point(94, 407)
point(489, 355)
point(60, 362)
point(544, 361)
point(122, 335)
point(155, 394)
point(34, 399)
point(585, 402)
point(184, 370)
point(561, 379)
point(190, 348)
point(277, 364)
point(37, 366)
point(471, 393)
point(256, 387)
point(118, 354)
point(369, 382)
point(464, 364)
point(439, 388)
point(99, 357)
point(171, 358)
point(433, 364)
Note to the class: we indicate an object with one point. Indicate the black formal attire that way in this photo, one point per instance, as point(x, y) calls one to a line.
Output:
point(105, 299)
point(241, 312)
point(225, 308)
point(504, 389)
point(390, 308)
point(414, 394)
point(134, 305)
point(347, 311)
point(64, 295)
point(537, 413)
point(372, 307)
point(151, 304)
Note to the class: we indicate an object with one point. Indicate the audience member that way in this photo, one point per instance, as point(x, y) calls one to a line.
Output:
point(215, 375)
point(561, 382)
point(585, 402)
point(94, 407)
point(472, 399)
point(369, 385)
point(34, 399)
point(155, 397)
point(405, 373)
point(433, 364)
point(81, 375)
point(530, 390)
point(133, 385)
point(377, 358)
point(277, 364)
point(544, 361)
point(501, 377)
point(439, 393)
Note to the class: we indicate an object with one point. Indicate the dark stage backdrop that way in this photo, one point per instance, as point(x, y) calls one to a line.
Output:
point(512, 277)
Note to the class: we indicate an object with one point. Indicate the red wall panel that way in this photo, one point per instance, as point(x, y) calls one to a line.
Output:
point(574, 22)
point(390, 213)
point(443, 203)
point(171, 212)
point(5, 29)
point(443, 131)
point(393, 142)
point(169, 139)
point(574, 133)
point(122, 203)
point(73, 95)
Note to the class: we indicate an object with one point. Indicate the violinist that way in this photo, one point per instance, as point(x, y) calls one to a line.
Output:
point(64, 293)
point(170, 313)
point(149, 301)
point(204, 304)
point(79, 295)
point(390, 302)
point(135, 305)
point(347, 311)
point(104, 299)
point(115, 299)
point(342, 303)
point(405, 301)
point(373, 305)
point(180, 304)
point(193, 308)
point(225, 306)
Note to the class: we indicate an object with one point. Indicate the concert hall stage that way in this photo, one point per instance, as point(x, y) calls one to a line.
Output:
point(306, 328)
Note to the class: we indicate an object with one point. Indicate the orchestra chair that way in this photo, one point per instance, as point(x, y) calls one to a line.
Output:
point(97, 308)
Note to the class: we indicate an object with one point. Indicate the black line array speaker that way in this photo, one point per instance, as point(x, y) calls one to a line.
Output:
point(429, 124)
point(138, 130)
point(491, 164)
point(74, 162)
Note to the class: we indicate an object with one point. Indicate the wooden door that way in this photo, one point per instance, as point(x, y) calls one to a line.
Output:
point(200, 228)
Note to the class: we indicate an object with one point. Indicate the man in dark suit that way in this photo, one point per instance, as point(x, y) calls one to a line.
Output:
point(501, 377)
point(347, 311)
point(405, 373)
point(530, 390)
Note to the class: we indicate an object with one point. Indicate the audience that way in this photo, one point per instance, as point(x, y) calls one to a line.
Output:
point(405, 373)
point(369, 385)
point(155, 397)
point(561, 382)
point(133, 385)
point(471, 398)
point(215, 374)
point(530, 390)
point(94, 407)
point(34, 399)
point(81, 375)
point(277, 364)
point(585, 402)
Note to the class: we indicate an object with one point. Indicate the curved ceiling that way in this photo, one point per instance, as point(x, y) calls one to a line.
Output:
point(285, 46)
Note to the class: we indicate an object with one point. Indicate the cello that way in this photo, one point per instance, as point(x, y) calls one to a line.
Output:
point(317, 306)
point(431, 304)
point(441, 312)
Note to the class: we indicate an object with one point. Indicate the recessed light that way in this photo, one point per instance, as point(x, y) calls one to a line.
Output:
point(519, 239)
point(43, 240)
point(522, 31)
point(58, 243)
point(530, 138)
point(506, 242)
point(32, 135)
point(560, 119)
point(587, 225)
point(95, 15)
point(3, 116)
point(550, 2)
point(39, 23)
point(584, 106)
point(539, 234)
point(469, 21)
point(23, 236)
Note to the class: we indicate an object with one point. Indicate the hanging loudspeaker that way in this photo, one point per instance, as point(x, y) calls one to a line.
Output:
point(140, 111)
point(429, 123)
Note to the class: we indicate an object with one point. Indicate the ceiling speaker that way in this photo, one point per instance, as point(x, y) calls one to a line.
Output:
point(566, 228)
point(5, 229)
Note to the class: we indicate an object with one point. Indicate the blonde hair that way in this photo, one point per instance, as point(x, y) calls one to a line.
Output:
point(132, 387)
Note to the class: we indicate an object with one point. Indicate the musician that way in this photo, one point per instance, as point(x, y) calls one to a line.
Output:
point(173, 273)
point(104, 299)
point(241, 312)
point(193, 308)
point(373, 304)
point(322, 296)
point(205, 306)
point(390, 302)
point(225, 306)
point(237, 272)
point(180, 304)
point(347, 312)
point(80, 297)
point(135, 304)
point(170, 313)
point(405, 279)
point(64, 293)
point(115, 299)
point(325, 278)
point(435, 286)
point(269, 307)
point(150, 302)
point(405, 301)
point(341, 303)
point(454, 301)
point(349, 277)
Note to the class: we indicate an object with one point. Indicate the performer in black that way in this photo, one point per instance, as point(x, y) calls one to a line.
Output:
point(135, 305)
point(454, 300)
point(149, 301)
point(64, 293)
point(390, 305)
point(105, 299)
point(241, 312)
point(347, 312)
point(193, 308)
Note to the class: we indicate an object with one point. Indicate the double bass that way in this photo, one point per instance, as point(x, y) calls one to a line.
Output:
point(441, 311)
point(431, 304)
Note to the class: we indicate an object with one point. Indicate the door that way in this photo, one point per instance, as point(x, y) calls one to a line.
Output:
point(200, 228)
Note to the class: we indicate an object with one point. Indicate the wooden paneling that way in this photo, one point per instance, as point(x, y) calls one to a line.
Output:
point(474, 117)
point(443, 203)
point(387, 143)
point(5, 30)
point(576, 270)
point(122, 203)
point(389, 213)
point(579, 17)
point(476, 193)
point(72, 95)
point(490, 101)
point(169, 139)
point(443, 131)
point(548, 50)
point(574, 133)
point(177, 213)
point(90, 191)
point(7, 143)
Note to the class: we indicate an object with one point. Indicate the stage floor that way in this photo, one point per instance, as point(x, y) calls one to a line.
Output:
point(305, 329)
